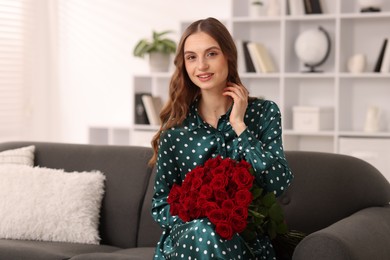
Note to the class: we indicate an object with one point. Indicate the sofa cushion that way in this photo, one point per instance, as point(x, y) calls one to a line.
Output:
point(43, 250)
point(49, 204)
point(126, 173)
point(23, 156)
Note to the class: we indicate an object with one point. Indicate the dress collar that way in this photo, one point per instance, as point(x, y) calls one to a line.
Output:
point(195, 121)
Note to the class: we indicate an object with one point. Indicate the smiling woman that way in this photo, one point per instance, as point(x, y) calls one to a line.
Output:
point(208, 114)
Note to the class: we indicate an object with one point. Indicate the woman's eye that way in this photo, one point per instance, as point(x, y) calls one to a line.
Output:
point(190, 57)
point(210, 54)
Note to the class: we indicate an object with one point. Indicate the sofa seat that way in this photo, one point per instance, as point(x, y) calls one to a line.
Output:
point(41, 250)
point(140, 253)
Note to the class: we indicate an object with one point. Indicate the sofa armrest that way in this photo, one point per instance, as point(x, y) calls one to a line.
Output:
point(363, 235)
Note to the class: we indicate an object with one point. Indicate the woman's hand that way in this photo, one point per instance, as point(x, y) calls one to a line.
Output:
point(240, 102)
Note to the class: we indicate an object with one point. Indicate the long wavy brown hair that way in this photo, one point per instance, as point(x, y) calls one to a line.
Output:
point(182, 91)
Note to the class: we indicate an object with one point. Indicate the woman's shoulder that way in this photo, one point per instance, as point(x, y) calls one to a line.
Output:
point(263, 104)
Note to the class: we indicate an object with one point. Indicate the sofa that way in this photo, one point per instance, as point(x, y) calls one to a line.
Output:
point(341, 202)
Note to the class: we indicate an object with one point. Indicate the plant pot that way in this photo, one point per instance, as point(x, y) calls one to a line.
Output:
point(159, 62)
point(256, 10)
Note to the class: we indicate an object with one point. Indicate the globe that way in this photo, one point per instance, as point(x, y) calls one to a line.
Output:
point(313, 47)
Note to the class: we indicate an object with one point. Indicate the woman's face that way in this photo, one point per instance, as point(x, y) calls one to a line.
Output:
point(205, 63)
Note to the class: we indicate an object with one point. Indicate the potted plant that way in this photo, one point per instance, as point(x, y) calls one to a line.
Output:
point(159, 49)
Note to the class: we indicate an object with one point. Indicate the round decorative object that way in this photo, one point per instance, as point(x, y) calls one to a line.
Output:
point(313, 47)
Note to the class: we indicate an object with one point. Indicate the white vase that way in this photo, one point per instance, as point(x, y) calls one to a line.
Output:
point(159, 62)
point(372, 123)
point(356, 63)
point(255, 10)
point(273, 8)
point(365, 4)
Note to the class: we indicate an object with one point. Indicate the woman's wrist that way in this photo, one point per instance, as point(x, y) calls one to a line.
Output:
point(239, 128)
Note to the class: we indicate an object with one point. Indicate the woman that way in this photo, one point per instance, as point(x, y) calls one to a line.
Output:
point(209, 113)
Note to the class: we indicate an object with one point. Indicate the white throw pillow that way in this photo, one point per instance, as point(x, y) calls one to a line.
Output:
point(24, 156)
point(49, 204)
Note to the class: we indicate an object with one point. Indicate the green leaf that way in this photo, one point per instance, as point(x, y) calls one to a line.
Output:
point(256, 192)
point(276, 213)
point(269, 199)
point(272, 229)
point(282, 228)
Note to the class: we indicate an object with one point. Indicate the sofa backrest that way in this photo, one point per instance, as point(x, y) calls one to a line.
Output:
point(328, 187)
point(127, 177)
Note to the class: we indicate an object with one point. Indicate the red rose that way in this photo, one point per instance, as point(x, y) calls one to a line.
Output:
point(184, 215)
point(213, 162)
point(218, 170)
point(238, 224)
point(219, 182)
point(196, 183)
point(174, 194)
point(206, 191)
point(243, 178)
point(174, 208)
point(224, 230)
point(243, 198)
point(220, 195)
point(242, 212)
point(209, 206)
point(228, 204)
point(217, 215)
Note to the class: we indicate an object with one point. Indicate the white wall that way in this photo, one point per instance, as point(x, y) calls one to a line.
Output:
point(95, 63)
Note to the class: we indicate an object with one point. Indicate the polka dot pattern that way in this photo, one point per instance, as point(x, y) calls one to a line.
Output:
point(184, 147)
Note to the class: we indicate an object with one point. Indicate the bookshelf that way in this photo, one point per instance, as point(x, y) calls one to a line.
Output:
point(348, 94)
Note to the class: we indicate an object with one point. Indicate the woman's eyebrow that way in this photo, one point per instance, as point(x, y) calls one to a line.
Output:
point(208, 49)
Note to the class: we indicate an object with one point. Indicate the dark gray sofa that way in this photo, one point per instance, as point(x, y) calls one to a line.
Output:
point(340, 201)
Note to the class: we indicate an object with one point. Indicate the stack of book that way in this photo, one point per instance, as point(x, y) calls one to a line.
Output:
point(383, 62)
point(147, 109)
point(254, 57)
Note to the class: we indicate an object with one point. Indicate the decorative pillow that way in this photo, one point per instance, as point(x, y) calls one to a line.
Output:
point(49, 204)
point(24, 156)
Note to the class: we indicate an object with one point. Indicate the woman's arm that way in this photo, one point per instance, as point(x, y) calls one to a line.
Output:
point(261, 145)
point(166, 176)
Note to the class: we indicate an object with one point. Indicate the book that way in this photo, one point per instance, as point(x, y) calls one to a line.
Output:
point(153, 106)
point(313, 6)
point(261, 57)
point(248, 60)
point(316, 7)
point(241, 67)
point(385, 66)
point(378, 63)
point(307, 5)
point(140, 116)
point(296, 7)
point(254, 56)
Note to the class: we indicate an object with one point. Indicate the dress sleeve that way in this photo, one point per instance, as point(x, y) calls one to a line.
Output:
point(261, 145)
point(166, 176)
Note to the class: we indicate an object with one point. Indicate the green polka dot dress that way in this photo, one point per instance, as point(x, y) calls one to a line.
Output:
point(183, 148)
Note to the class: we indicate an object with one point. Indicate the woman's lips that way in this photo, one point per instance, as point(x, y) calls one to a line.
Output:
point(205, 77)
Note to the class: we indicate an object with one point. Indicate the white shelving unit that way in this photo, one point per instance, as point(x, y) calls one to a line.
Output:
point(348, 94)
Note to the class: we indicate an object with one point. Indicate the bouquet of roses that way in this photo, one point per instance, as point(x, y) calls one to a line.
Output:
point(225, 191)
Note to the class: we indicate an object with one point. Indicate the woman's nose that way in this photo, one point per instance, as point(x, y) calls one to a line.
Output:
point(203, 64)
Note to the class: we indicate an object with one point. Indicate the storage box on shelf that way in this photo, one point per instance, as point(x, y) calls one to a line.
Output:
point(312, 119)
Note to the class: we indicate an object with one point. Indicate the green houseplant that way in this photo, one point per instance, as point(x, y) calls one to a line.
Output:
point(159, 49)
